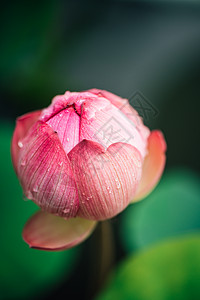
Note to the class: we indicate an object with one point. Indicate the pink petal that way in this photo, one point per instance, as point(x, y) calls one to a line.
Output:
point(153, 165)
point(106, 180)
point(67, 125)
point(102, 122)
point(23, 124)
point(123, 105)
point(45, 172)
point(48, 232)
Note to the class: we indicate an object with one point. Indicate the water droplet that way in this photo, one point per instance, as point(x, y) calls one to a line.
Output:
point(20, 144)
point(108, 187)
point(60, 115)
point(60, 163)
point(110, 192)
point(23, 163)
point(68, 139)
point(83, 202)
point(118, 186)
point(35, 189)
point(66, 210)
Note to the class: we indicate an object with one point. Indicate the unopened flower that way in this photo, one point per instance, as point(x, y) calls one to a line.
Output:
point(84, 158)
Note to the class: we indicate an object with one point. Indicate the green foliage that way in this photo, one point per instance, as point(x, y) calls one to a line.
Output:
point(167, 271)
point(24, 272)
point(170, 210)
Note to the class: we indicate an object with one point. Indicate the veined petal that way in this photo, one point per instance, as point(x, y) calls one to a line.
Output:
point(23, 125)
point(45, 172)
point(102, 122)
point(106, 180)
point(124, 107)
point(153, 165)
point(67, 125)
point(45, 231)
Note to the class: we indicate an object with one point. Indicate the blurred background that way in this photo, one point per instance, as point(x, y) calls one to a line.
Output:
point(149, 52)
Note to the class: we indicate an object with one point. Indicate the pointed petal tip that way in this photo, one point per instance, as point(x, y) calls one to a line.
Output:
point(23, 124)
point(45, 231)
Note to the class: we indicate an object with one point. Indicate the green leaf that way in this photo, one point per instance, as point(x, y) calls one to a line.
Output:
point(170, 210)
point(167, 271)
point(24, 272)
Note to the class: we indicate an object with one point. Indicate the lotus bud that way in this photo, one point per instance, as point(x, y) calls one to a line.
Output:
point(84, 158)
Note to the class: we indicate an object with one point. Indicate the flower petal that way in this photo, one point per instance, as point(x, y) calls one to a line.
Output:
point(45, 172)
point(102, 122)
point(48, 232)
point(153, 165)
point(67, 125)
point(106, 179)
point(23, 124)
point(123, 105)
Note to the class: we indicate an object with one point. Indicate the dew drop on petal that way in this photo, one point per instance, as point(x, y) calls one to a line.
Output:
point(20, 144)
point(23, 163)
point(67, 210)
point(35, 189)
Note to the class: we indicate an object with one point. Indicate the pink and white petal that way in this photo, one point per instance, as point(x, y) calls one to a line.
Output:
point(23, 124)
point(106, 180)
point(102, 122)
point(45, 231)
point(153, 165)
point(45, 172)
point(123, 105)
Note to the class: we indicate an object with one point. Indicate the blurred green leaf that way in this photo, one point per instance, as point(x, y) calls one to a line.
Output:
point(171, 209)
point(24, 271)
point(167, 271)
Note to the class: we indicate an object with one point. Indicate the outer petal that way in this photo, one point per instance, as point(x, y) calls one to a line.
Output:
point(48, 232)
point(45, 172)
point(153, 165)
point(123, 105)
point(106, 180)
point(102, 122)
point(23, 124)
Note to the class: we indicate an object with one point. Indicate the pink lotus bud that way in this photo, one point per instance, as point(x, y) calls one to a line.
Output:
point(87, 155)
